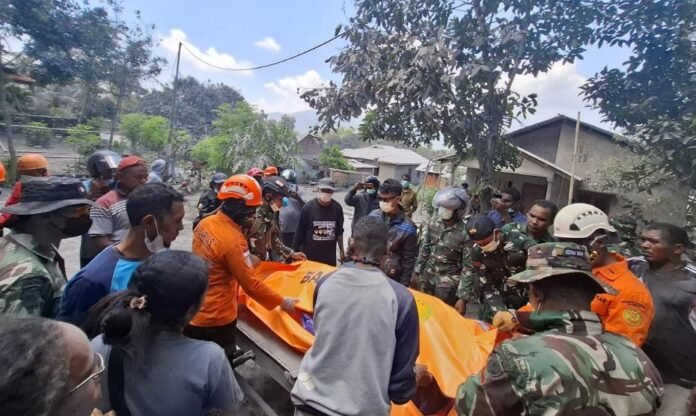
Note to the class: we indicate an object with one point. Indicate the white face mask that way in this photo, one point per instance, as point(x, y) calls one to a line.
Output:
point(386, 206)
point(445, 214)
point(492, 246)
point(274, 207)
point(156, 244)
point(325, 197)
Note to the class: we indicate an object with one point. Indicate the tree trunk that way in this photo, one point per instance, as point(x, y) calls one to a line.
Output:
point(114, 117)
point(487, 169)
point(12, 169)
point(85, 102)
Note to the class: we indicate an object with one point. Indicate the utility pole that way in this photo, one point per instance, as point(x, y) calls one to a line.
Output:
point(172, 116)
point(575, 158)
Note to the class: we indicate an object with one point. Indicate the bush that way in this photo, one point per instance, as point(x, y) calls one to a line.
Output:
point(38, 134)
point(331, 157)
point(83, 139)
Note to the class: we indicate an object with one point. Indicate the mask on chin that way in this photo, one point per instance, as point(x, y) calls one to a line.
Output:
point(492, 246)
point(445, 214)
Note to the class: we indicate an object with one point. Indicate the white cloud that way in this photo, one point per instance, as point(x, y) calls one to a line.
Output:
point(284, 97)
point(268, 43)
point(558, 92)
point(211, 55)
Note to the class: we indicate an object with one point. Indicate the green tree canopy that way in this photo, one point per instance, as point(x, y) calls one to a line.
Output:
point(245, 138)
point(444, 69)
point(141, 130)
point(331, 157)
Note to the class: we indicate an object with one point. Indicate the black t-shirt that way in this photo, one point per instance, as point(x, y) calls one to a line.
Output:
point(318, 230)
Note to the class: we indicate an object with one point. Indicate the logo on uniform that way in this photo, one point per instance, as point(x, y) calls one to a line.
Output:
point(632, 317)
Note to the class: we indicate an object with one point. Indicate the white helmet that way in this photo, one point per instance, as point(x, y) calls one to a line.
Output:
point(579, 221)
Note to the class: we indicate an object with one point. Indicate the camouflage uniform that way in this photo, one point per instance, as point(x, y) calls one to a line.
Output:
point(443, 252)
point(569, 366)
point(627, 241)
point(515, 229)
point(483, 282)
point(30, 279)
point(264, 234)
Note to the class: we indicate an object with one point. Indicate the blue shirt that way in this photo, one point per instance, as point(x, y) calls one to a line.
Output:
point(497, 217)
point(109, 272)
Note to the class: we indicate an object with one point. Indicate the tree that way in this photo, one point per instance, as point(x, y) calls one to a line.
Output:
point(45, 25)
point(331, 157)
point(430, 69)
point(134, 63)
point(38, 134)
point(150, 132)
point(84, 139)
point(196, 106)
point(653, 97)
point(244, 138)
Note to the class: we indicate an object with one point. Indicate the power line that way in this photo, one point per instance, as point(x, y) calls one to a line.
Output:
point(262, 66)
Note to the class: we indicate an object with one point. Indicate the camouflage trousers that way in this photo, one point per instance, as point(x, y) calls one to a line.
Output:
point(446, 291)
point(495, 299)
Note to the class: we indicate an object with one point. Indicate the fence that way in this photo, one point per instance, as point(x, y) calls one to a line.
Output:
point(347, 177)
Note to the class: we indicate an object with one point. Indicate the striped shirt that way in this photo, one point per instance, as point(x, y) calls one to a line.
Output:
point(109, 216)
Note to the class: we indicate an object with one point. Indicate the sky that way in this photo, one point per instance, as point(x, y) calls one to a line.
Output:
point(245, 33)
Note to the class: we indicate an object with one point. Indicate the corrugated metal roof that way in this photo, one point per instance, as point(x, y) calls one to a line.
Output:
point(360, 165)
point(385, 154)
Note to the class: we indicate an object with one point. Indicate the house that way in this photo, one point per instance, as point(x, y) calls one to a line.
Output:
point(547, 151)
point(309, 148)
point(389, 161)
point(432, 174)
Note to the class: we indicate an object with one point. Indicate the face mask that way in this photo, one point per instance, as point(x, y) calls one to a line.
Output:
point(156, 244)
point(492, 246)
point(445, 214)
point(76, 226)
point(386, 206)
point(325, 197)
point(405, 184)
point(274, 207)
point(511, 210)
point(371, 191)
point(286, 201)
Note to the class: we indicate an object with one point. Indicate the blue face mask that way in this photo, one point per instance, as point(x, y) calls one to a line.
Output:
point(371, 191)
point(286, 201)
point(405, 184)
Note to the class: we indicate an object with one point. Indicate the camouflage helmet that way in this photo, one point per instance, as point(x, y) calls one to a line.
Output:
point(557, 259)
point(451, 198)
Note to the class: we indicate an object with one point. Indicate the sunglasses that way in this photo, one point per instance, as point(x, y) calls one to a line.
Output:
point(99, 360)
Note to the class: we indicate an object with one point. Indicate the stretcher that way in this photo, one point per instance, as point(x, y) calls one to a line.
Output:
point(451, 346)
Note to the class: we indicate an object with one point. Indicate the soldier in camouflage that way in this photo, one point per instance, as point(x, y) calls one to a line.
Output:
point(569, 366)
point(483, 289)
point(539, 219)
point(626, 242)
point(32, 272)
point(264, 233)
point(445, 247)
point(209, 202)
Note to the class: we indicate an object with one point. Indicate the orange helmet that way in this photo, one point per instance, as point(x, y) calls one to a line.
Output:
point(2, 173)
point(241, 187)
point(270, 171)
point(32, 161)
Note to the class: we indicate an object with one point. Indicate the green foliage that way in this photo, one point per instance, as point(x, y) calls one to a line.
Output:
point(331, 157)
point(196, 106)
point(653, 96)
point(149, 132)
point(425, 198)
point(84, 139)
point(432, 70)
point(38, 134)
point(244, 138)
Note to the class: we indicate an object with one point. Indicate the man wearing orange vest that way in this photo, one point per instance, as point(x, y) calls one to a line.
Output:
point(31, 164)
point(631, 311)
point(219, 239)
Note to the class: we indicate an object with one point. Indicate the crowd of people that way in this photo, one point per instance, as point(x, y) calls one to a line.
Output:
point(585, 327)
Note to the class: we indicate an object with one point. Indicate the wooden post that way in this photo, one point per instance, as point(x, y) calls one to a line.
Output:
point(575, 158)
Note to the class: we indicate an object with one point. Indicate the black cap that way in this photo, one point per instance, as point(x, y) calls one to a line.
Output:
point(46, 194)
point(479, 227)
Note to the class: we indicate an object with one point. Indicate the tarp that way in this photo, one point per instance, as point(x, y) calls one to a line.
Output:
point(451, 346)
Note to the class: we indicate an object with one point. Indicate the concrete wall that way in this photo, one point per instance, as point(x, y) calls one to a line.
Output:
point(387, 170)
point(543, 142)
point(593, 150)
point(310, 146)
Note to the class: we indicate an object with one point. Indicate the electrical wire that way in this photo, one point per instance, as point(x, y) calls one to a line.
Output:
point(262, 66)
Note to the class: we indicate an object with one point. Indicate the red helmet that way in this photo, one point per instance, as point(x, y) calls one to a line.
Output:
point(242, 187)
point(255, 172)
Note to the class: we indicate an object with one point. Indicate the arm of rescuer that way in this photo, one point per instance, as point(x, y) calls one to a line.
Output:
point(465, 291)
point(11, 200)
point(629, 313)
point(351, 199)
point(239, 263)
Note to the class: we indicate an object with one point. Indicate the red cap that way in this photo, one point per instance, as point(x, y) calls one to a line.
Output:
point(130, 161)
point(254, 172)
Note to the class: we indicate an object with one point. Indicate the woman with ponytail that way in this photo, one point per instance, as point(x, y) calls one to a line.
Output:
point(152, 368)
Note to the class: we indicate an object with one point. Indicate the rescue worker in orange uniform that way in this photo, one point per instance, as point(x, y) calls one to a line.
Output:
point(219, 239)
point(631, 311)
point(31, 164)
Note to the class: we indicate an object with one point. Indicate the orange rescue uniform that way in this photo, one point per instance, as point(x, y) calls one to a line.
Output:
point(220, 241)
point(631, 311)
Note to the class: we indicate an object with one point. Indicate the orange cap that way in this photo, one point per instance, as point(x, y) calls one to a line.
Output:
point(32, 161)
point(241, 187)
point(2, 173)
point(270, 171)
